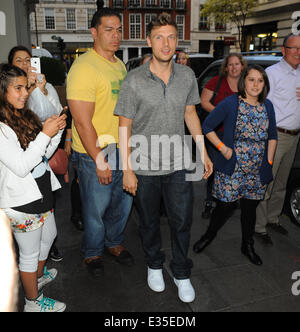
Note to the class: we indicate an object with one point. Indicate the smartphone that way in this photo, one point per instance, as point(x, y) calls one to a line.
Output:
point(36, 64)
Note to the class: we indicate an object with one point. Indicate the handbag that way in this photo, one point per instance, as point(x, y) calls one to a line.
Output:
point(59, 162)
point(202, 113)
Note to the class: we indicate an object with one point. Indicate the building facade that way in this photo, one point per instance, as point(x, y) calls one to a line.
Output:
point(265, 30)
point(14, 24)
point(209, 37)
point(271, 22)
point(70, 21)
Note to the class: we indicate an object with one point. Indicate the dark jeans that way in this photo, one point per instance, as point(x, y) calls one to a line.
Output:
point(177, 194)
point(223, 211)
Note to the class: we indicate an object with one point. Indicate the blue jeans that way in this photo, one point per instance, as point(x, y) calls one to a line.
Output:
point(177, 194)
point(105, 208)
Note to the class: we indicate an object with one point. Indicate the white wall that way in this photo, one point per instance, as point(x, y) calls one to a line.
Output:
point(14, 29)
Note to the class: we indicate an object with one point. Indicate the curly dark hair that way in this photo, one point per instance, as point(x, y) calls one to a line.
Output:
point(23, 122)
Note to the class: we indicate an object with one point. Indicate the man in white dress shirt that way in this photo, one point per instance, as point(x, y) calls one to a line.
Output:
point(284, 93)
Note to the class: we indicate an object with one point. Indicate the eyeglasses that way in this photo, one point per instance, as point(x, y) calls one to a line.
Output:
point(293, 48)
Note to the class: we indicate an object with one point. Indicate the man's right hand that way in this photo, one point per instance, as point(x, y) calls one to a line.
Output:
point(104, 174)
point(103, 170)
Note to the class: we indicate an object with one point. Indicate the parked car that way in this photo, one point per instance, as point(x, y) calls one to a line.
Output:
point(133, 63)
point(214, 68)
point(292, 200)
point(200, 61)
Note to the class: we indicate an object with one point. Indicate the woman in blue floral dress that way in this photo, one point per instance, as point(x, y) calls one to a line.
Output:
point(244, 166)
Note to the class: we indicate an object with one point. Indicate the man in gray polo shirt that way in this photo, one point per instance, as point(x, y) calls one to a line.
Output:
point(154, 102)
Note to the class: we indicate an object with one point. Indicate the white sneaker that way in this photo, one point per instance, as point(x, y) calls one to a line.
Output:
point(156, 280)
point(186, 291)
point(47, 277)
point(43, 304)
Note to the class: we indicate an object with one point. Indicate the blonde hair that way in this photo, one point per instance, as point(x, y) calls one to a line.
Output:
point(224, 65)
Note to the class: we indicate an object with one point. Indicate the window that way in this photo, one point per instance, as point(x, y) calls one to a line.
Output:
point(180, 24)
point(220, 26)
point(118, 3)
point(134, 3)
point(2, 24)
point(32, 21)
point(135, 26)
point(150, 3)
point(148, 19)
point(90, 13)
point(165, 3)
point(49, 19)
point(203, 22)
point(71, 18)
point(180, 4)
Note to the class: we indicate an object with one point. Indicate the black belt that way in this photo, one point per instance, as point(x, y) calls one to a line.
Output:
point(290, 132)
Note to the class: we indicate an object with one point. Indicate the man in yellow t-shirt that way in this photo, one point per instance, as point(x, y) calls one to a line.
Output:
point(95, 79)
point(93, 86)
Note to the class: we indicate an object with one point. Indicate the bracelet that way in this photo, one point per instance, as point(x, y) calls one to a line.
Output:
point(68, 139)
point(220, 146)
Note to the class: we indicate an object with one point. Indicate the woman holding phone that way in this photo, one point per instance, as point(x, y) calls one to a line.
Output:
point(43, 99)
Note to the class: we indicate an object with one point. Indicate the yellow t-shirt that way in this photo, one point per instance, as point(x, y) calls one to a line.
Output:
point(93, 78)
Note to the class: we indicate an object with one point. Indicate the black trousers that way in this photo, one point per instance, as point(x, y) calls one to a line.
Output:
point(177, 194)
point(222, 213)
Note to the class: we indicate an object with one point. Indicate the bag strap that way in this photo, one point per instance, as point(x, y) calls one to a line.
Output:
point(217, 88)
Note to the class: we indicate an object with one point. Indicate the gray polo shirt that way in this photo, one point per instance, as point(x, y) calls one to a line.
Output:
point(157, 111)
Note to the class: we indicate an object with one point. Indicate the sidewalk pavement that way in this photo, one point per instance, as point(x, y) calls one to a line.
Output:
point(223, 278)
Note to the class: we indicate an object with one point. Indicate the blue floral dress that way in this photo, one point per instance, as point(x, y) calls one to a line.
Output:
point(249, 144)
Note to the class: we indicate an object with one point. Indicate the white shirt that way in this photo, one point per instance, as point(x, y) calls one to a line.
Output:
point(17, 185)
point(284, 80)
point(44, 106)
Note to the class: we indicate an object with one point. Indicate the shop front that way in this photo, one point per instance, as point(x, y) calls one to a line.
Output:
point(261, 37)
